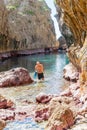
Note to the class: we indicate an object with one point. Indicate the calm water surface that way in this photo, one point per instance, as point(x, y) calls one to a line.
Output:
point(53, 84)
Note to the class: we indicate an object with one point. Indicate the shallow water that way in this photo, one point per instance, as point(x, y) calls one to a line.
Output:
point(53, 84)
point(53, 71)
point(26, 124)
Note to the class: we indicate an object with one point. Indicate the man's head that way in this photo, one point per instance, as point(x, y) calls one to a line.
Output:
point(37, 62)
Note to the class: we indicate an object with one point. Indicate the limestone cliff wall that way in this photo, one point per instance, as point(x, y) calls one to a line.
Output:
point(73, 15)
point(25, 24)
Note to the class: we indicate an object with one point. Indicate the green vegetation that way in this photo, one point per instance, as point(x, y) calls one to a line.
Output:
point(29, 12)
point(12, 7)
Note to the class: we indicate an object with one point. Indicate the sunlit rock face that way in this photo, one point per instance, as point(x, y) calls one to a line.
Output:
point(73, 14)
point(25, 25)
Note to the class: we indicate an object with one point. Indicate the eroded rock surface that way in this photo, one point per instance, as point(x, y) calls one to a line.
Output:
point(72, 14)
point(25, 25)
point(71, 73)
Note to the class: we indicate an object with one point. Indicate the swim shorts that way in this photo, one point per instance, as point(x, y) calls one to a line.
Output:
point(40, 75)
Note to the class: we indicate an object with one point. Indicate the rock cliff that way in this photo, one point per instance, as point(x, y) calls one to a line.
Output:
point(74, 15)
point(25, 25)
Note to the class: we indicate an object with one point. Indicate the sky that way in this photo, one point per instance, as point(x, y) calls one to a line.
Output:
point(51, 5)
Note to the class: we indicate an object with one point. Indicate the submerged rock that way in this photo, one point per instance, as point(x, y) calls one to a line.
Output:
point(15, 77)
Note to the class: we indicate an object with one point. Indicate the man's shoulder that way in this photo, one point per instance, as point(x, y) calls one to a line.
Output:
point(41, 64)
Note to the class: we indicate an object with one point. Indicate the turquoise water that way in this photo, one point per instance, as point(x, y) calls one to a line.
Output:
point(53, 84)
point(51, 62)
point(53, 71)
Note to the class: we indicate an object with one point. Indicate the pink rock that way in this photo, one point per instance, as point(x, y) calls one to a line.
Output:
point(7, 114)
point(9, 103)
point(4, 103)
point(15, 77)
point(43, 98)
point(61, 119)
point(57, 127)
point(41, 114)
point(71, 73)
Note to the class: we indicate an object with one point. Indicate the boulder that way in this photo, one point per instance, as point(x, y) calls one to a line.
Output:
point(43, 98)
point(15, 77)
point(71, 73)
point(62, 118)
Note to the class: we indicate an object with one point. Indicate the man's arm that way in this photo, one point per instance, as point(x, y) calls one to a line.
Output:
point(35, 67)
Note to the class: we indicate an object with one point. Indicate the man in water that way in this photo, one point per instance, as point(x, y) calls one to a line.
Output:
point(39, 69)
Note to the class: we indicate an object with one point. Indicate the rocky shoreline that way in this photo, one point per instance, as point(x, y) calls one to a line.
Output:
point(64, 111)
point(9, 54)
point(67, 110)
